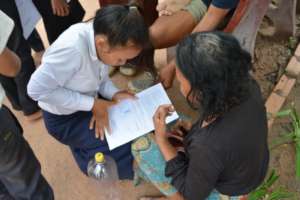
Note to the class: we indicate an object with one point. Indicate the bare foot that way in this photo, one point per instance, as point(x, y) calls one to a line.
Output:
point(35, 116)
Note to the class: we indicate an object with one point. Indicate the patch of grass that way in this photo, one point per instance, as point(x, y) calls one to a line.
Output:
point(265, 192)
point(292, 136)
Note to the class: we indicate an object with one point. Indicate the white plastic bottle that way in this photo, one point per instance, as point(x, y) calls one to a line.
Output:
point(102, 168)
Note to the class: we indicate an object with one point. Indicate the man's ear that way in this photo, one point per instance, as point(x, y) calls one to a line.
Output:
point(102, 43)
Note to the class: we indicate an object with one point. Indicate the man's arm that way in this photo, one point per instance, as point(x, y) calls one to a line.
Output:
point(211, 19)
point(10, 63)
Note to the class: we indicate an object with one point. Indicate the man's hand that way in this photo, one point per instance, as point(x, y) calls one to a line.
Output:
point(60, 8)
point(169, 7)
point(100, 120)
point(124, 94)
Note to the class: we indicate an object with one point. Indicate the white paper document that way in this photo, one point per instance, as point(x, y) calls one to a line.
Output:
point(131, 119)
point(29, 16)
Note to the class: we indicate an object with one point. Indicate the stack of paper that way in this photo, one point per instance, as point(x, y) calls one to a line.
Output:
point(131, 119)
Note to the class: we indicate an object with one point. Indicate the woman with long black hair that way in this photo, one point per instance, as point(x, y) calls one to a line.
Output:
point(225, 151)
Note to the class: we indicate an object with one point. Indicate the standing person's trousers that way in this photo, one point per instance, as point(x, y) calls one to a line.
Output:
point(16, 88)
point(54, 24)
point(20, 171)
point(35, 41)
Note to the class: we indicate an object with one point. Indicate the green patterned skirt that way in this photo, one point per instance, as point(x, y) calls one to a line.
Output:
point(151, 167)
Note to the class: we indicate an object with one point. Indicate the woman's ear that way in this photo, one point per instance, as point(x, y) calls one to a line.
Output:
point(101, 42)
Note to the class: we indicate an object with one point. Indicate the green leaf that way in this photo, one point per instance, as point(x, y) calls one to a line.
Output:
point(298, 161)
point(297, 118)
point(284, 139)
point(280, 193)
point(257, 195)
point(284, 113)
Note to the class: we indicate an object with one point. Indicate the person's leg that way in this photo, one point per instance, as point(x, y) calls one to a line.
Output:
point(73, 130)
point(37, 45)
point(151, 164)
point(4, 194)
point(165, 32)
point(35, 41)
point(29, 107)
point(55, 25)
point(20, 171)
point(168, 30)
point(16, 88)
point(151, 167)
point(11, 91)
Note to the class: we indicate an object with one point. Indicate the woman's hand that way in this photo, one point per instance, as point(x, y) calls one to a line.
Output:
point(182, 127)
point(159, 120)
point(100, 120)
point(161, 137)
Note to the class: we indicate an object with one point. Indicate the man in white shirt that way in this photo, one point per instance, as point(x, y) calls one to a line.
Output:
point(74, 71)
point(20, 171)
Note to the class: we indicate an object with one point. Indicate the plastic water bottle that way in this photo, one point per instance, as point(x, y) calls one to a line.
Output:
point(102, 168)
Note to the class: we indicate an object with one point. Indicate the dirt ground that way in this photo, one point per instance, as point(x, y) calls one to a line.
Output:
point(271, 58)
point(283, 157)
point(59, 168)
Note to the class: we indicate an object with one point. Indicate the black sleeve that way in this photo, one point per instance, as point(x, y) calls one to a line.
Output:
point(225, 4)
point(195, 176)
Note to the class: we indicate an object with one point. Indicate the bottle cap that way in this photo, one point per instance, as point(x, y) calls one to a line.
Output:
point(99, 157)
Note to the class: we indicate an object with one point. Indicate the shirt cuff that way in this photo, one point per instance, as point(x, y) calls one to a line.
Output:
point(109, 91)
point(86, 103)
point(114, 90)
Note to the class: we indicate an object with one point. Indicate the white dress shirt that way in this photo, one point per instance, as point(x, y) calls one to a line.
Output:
point(71, 74)
point(7, 25)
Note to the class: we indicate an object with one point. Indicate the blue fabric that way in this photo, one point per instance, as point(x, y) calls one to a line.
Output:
point(226, 4)
point(151, 164)
point(73, 130)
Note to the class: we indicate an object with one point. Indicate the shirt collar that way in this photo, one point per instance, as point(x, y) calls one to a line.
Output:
point(92, 47)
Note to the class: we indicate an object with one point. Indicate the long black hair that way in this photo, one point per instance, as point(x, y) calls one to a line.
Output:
point(218, 70)
point(120, 24)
